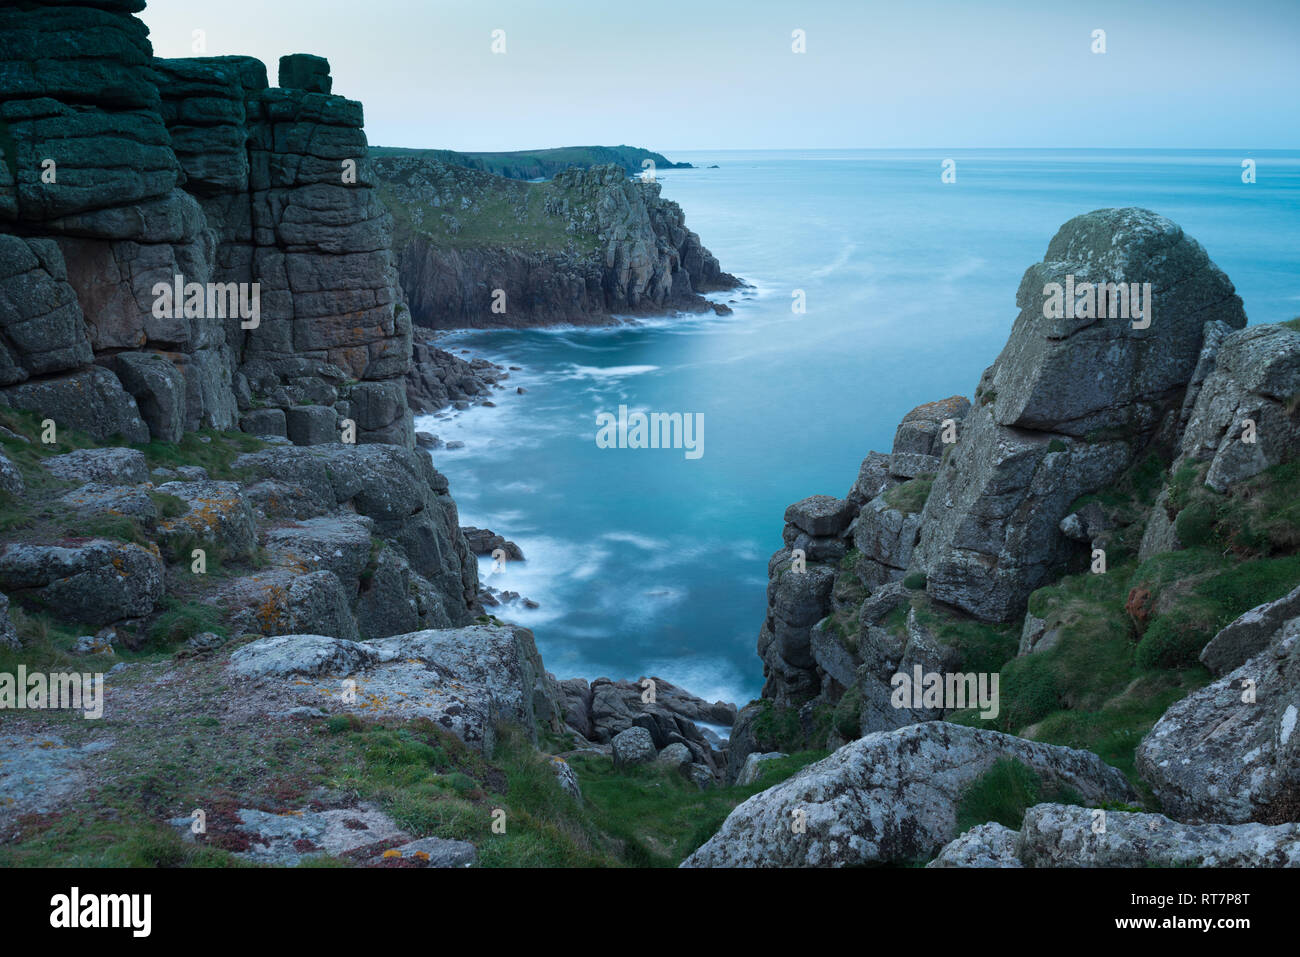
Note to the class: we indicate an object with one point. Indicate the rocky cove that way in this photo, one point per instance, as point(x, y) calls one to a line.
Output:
point(182, 513)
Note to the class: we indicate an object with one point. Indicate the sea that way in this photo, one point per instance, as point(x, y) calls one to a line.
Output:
point(875, 283)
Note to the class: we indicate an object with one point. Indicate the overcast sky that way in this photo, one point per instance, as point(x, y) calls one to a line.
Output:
point(708, 74)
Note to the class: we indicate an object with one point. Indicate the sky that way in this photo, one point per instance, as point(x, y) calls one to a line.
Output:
point(716, 74)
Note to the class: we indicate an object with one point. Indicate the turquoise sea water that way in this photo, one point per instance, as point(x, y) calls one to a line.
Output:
point(644, 561)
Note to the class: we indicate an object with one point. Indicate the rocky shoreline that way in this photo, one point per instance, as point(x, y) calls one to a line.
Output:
point(224, 512)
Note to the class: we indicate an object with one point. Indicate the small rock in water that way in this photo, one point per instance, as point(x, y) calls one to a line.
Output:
point(520, 390)
point(455, 445)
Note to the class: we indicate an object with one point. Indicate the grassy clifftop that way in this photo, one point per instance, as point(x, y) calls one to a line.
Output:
point(456, 206)
point(539, 164)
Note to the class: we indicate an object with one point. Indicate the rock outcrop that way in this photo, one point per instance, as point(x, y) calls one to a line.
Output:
point(590, 244)
point(1230, 752)
point(971, 508)
point(890, 797)
point(1068, 404)
point(464, 680)
point(1058, 835)
point(126, 175)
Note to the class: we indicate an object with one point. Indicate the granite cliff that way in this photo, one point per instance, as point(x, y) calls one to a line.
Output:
point(1101, 525)
point(478, 250)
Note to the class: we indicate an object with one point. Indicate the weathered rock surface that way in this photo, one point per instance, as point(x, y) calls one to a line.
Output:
point(1066, 407)
point(986, 845)
point(96, 581)
point(1056, 835)
point(463, 679)
point(1230, 752)
point(1255, 380)
point(632, 746)
point(197, 169)
point(111, 466)
point(888, 797)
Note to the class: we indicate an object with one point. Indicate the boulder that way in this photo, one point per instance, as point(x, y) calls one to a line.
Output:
point(1229, 752)
point(11, 479)
point(91, 401)
point(309, 655)
point(303, 71)
point(890, 797)
point(1056, 835)
point(986, 845)
point(112, 501)
point(921, 431)
point(751, 770)
point(1249, 634)
point(1068, 405)
point(820, 515)
point(159, 391)
point(218, 514)
point(96, 582)
point(310, 424)
point(675, 755)
point(463, 679)
point(110, 466)
point(632, 746)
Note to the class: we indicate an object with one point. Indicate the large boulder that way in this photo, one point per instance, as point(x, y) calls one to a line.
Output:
point(890, 797)
point(91, 401)
point(96, 582)
point(1069, 403)
point(1230, 752)
point(463, 679)
point(1056, 835)
point(1075, 375)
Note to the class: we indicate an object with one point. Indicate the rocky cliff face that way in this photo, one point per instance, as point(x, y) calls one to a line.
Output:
point(186, 248)
point(1107, 511)
point(122, 172)
point(477, 250)
point(972, 510)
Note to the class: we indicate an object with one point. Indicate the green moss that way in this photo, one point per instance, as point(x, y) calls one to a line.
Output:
point(1004, 792)
point(846, 718)
point(181, 621)
point(169, 506)
point(210, 449)
point(910, 496)
point(1195, 524)
point(981, 646)
point(777, 727)
point(1056, 445)
point(915, 581)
